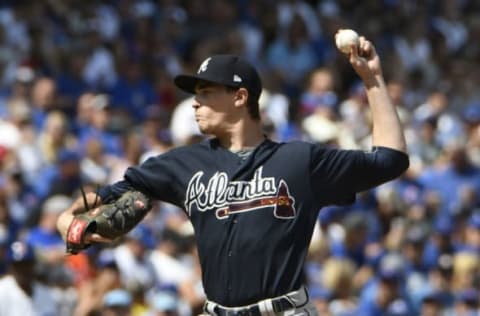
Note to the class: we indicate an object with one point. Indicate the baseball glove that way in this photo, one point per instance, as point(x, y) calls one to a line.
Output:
point(110, 220)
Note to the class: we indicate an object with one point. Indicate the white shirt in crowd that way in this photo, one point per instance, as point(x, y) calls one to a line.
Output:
point(15, 302)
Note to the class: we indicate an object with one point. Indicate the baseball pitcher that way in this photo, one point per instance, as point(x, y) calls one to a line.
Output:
point(252, 201)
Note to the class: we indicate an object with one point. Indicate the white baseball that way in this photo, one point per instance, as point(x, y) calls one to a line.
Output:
point(345, 39)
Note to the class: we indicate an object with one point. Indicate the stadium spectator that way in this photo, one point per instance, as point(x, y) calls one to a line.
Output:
point(20, 293)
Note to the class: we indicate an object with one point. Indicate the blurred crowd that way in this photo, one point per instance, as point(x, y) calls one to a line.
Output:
point(86, 90)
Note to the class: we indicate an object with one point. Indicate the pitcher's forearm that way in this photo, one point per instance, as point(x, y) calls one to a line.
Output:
point(387, 128)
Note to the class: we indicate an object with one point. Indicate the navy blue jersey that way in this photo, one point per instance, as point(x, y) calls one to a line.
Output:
point(254, 217)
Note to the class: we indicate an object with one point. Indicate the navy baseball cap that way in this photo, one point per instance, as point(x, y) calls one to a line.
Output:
point(228, 70)
point(20, 251)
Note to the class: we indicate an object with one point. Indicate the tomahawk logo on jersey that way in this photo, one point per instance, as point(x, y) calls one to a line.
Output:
point(230, 197)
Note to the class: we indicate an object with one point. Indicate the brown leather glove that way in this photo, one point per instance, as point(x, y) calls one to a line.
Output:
point(110, 220)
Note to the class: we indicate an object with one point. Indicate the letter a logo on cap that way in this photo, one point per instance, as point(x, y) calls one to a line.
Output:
point(204, 65)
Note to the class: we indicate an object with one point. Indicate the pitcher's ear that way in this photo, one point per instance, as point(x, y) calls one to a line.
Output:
point(241, 93)
point(241, 97)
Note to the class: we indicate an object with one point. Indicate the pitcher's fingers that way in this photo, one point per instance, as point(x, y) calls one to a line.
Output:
point(79, 210)
point(354, 49)
point(97, 238)
point(366, 48)
point(361, 40)
point(94, 211)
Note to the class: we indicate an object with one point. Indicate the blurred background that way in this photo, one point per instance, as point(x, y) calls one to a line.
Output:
point(86, 90)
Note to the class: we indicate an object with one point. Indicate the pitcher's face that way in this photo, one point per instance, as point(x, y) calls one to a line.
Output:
point(214, 108)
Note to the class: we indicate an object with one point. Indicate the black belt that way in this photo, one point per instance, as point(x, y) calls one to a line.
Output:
point(279, 304)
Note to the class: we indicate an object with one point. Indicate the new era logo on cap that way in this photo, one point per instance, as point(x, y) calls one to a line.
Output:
point(229, 70)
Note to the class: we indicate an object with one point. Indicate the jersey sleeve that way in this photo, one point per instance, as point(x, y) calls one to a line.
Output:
point(154, 178)
point(337, 175)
